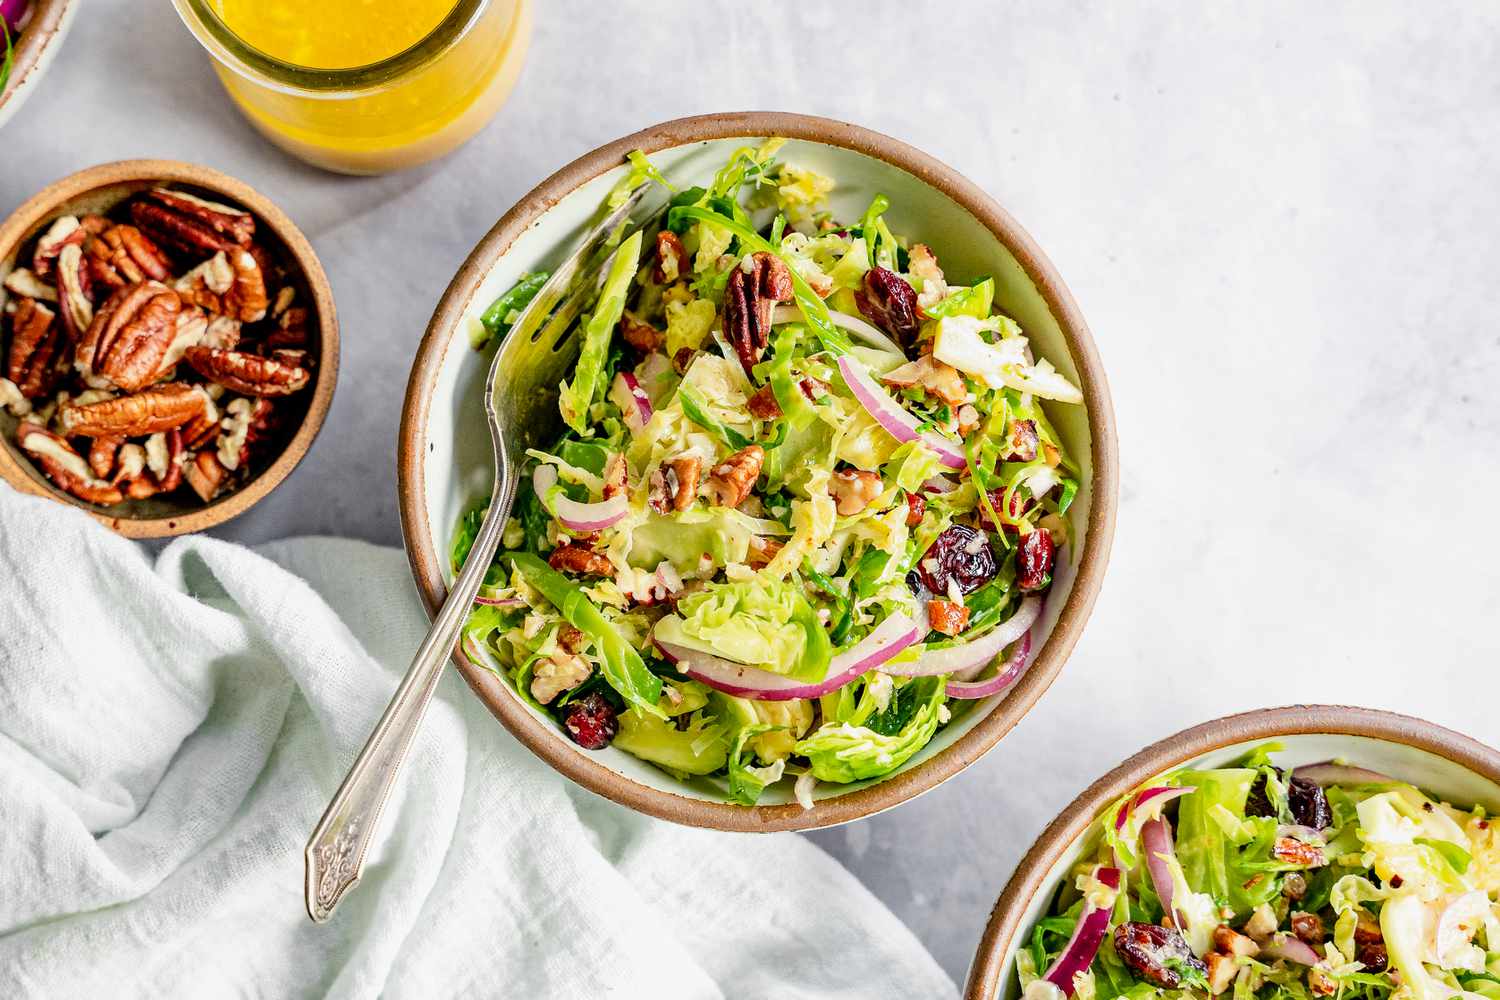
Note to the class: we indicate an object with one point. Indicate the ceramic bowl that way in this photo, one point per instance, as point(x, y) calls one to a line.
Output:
point(34, 51)
point(98, 189)
point(444, 464)
point(1454, 767)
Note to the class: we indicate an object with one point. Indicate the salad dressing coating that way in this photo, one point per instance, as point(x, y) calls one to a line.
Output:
point(807, 500)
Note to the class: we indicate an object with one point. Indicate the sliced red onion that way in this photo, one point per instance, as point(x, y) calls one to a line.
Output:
point(635, 406)
point(577, 516)
point(1156, 842)
point(891, 415)
point(14, 12)
point(1306, 834)
point(1291, 948)
point(981, 651)
point(889, 638)
point(499, 602)
point(861, 329)
point(1149, 802)
point(1329, 772)
point(1088, 934)
point(1009, 671)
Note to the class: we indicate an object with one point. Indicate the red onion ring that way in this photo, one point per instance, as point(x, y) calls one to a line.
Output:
point(1088, 934)
point(635, 406)
point(979, 652)
point(1291, 948)
point(743, 681)
point(577, 516)
point(1328, 772)
point(1009, 671)
point(891, 415)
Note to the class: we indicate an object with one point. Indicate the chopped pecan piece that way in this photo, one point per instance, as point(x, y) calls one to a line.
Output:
point(123, 255)
point(25, 283)
point(580, 559)
point(682, 480)
point(925, 266)
point(762, 551)
point(1232, 942)
point(283, 373)
point(192, 224)
point(572, 638)
point(1022, 441)
point(291, 330)
point(158, 408)
point(916, 509)
point(35, 341)
point(854, 490)
point(558, 673)
point(1221, 971)
point(947, 617)
point(642, 336)
point(12, 400)
point(933, 376)
point(889, 302)
point(230, 284)
point(671, 258)
point(102, 452)
point(731, 480)
point(763, 405)
point(206, 475)
point(616, 476)
point(201, 429)
point(133, 332)
point(1293, 851)
point(1320, 983)
point(64, 231)
point(750, 298)
point(64, 466)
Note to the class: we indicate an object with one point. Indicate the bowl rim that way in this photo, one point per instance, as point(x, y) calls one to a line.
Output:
point(1261, 724)
point(546, 742)
point(29, 53)
point(36, 210)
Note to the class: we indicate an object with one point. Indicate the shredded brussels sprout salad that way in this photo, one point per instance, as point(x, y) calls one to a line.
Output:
point(807, 501)
point(1328, 880)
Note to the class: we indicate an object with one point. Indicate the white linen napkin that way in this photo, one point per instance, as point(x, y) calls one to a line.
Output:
point(170, 730)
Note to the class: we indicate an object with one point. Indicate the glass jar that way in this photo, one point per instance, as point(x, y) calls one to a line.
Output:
point(412, 107)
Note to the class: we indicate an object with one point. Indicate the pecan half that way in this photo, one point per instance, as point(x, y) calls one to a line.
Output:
point(74, 292)
point(64, 231)
point(682, 480)
point(642, 336)
point(129, 338)
point(732, 479)
point(35, 339)
point(246, 423)
point(102, 452)
point(580, 559)
point(64, 466)
point(24, 283)
point(750, 298)
point(283, 373)
point(190, 223)
point(231, 284)
point(854, 489)
point(616, 475)
point(947, 617)
point(158, 408)
point(890, 303)
point(671, 258)
point(205, 475)
point(122, 255)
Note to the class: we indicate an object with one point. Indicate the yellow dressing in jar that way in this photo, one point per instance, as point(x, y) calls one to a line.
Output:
point(365, 86)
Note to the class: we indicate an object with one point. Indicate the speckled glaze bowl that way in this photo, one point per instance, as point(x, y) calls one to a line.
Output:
point(99, 189)
point(34, 51)
point(1455, 767)
point(444, 463)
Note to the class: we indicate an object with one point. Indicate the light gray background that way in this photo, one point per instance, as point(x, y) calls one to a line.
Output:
point(1280, 220)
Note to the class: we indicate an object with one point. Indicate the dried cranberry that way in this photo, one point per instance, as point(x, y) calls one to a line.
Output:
point(916, 507)
point(1159, 955)
point(591, 721)
point(889, 302)
point(1305, 799)
point(1034, 559)
point(1372, 956)
point(960, 554)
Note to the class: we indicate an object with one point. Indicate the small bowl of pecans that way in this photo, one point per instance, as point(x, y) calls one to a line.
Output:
point(170, 346)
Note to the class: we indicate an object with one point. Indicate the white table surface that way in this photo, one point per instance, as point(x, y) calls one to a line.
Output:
point(1280, 221)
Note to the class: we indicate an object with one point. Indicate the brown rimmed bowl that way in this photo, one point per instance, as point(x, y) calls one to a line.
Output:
point(99, 189)
point(1454, 767)
point(34, 51)
point(444, 465)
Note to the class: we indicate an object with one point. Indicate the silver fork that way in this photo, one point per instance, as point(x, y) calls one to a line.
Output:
point(522, 412)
